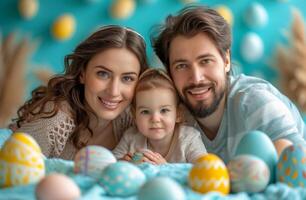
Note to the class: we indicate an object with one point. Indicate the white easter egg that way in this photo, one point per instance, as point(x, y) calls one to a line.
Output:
point(252, 47)
point(256, 15)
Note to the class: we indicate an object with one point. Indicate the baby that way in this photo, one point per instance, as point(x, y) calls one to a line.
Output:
point(159, 135)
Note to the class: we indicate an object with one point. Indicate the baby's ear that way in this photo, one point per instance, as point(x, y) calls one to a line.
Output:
point(133, 112)
point(179, 114)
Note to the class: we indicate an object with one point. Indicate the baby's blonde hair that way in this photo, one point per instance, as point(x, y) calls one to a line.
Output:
point(153, 78)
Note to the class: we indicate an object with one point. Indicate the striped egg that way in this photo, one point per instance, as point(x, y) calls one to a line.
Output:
point(291, 166)
point(21, 161)
point(209, 173)
point(91, 160)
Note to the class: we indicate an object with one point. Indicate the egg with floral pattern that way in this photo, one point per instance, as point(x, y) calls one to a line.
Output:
point(122, 179)
point(291, 166)
point(208, 174)
point(248, 174)
point(21, 161)
point(91, 160)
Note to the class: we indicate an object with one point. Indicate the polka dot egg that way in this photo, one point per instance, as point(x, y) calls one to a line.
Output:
point(21, 161)
point(248, 174)
point(122, 179)
point(91, 160)
point(209, 173)
point(291, 166)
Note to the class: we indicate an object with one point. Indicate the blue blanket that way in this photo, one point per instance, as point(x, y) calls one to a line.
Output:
point(179, 172)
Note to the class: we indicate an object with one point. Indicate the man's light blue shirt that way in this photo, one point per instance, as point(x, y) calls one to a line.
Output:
point(254, 104)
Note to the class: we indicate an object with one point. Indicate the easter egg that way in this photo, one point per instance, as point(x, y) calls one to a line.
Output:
point(28, 8)
point(122, 179)
point(209, 173)
point(258, 144)
point(57, 186)
point(161, 188)
point(91, 160)
point(252, 47)
point(256, 15)
point(248, 174)
point(226, 13)
point(122, 9)
point(21, 161)
point(291, 166)
point(63, 27)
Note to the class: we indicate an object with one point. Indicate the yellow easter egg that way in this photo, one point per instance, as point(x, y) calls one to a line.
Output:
point(122, 9)
point(64, 27)
point(28, 8)
point(208, 174)
point(21, 161)
point(226, 13)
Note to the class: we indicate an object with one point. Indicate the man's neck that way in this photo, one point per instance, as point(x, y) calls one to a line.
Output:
point(210, 125)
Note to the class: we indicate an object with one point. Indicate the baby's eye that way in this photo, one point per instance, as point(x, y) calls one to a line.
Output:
point(144, 112)
point(164, 110)
point(103, 74)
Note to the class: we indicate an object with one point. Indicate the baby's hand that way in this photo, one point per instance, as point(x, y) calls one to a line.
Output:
point(153, 157)
point(127, 157)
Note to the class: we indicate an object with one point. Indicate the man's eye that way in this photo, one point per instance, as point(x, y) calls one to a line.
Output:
point(103, 74)
point(180, 66)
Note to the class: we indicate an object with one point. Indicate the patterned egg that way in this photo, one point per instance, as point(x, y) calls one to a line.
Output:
point(209, 173)
point(122, 9)
point(161, 188)
point(258, 144)
point(63, 27)
point(21, 161)
point(122, 179)
point(248, 174)
point(291, 166)
point(91, 160)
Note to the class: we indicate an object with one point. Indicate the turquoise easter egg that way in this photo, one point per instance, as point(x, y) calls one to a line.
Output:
point(161, 188)
point(258, 144)
point(91, 160)
point(248, 174)
point(252, 47)
point(256, 15)
point(122, 179)
point(291, 166)
point(21, 161)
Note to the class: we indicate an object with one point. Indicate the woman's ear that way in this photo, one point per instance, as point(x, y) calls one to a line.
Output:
point(82, 77)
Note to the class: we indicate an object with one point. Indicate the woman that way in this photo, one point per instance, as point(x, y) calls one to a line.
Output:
point(89, 103)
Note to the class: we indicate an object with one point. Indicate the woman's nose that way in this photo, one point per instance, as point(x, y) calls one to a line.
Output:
point(114, 87)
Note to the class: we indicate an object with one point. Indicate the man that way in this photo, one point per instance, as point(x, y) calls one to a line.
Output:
point(195, 48)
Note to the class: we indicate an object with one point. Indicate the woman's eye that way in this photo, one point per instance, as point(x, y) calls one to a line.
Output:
point(103, 74)
point(128, 79)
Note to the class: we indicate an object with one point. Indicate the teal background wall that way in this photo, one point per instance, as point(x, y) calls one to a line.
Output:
point(89, 16)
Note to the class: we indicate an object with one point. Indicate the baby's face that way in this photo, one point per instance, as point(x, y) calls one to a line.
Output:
point(156, 113)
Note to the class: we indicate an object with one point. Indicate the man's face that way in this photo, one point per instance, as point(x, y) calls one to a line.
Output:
point(198, 72)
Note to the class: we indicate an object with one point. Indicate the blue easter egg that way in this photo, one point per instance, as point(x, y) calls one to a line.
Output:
point(161, 188)
point(122, 179)
point(291, 166)
point(258, 144)
point(256, 15)
point(251, 48)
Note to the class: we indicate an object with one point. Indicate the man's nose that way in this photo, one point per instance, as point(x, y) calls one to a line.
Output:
point(196, 75)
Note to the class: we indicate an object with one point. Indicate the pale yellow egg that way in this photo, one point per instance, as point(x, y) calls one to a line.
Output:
point(122, 9)
point(208, 174)
point(28, 8)
point(64, 27)
point(226, 13)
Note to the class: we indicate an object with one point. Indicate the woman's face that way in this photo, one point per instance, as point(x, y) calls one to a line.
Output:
point(109, 81)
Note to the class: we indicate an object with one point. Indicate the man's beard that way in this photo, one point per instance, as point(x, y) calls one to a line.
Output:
point(200, 110)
